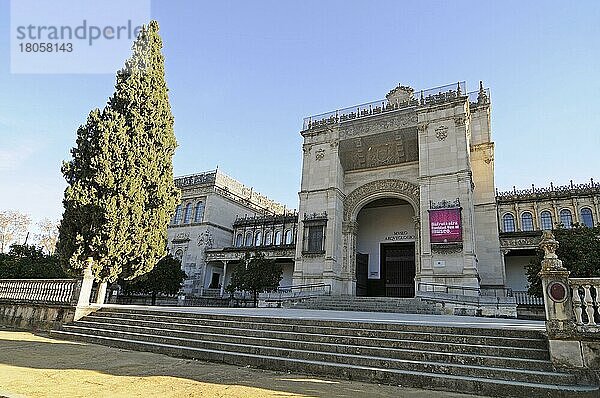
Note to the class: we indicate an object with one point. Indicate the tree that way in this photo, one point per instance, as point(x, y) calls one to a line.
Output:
point(121, 192)
point(579, 250)
point(255, 275)
point(29, 262)
point(166, 277)
point(48, 235)
point(13, 227)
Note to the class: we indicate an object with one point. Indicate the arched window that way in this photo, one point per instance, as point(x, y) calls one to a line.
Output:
point(546, 220)
point(239, 239)
point(586, 217)
point(199, 212)
point(508, 223)
point(187, 214)
point(527, 221)
point(258, 239)
point(278, 237)
point(288, 237)
point(248, 239)
point(177, 216)
point(566, 218)
point(267, 238)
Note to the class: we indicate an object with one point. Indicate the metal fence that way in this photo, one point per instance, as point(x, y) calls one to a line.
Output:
point(524, 298)
point(432, 96)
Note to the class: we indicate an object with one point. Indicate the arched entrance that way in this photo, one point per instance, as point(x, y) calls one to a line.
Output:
point(377, 254)
point(385, 249)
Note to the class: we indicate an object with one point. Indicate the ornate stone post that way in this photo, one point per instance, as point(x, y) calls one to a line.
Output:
point(565, 349)
point(555, 287)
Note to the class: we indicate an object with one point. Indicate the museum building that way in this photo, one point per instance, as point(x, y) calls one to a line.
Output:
point(397, 198)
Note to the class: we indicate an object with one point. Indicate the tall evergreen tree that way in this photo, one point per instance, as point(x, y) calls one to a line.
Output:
point(121, 193)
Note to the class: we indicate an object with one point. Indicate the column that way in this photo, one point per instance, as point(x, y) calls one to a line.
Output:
point(224, 275)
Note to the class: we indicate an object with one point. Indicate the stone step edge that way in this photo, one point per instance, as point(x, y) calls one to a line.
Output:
point(102, 315)
point(226, 329)
point(394, 360)
point(524, 361)
point(556, 387)
point(309, 320)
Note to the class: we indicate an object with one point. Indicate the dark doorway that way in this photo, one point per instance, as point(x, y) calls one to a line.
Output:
point(362, 271)
point(397, 262)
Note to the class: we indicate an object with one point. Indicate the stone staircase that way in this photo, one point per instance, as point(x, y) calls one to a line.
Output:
point(369, 304)
point(493, 362)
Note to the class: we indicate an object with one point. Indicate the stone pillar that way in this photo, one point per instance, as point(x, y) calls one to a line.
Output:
point(555, 287)
point(224, 275)
point(83, 303)
point(101, 293)
point(565, 350)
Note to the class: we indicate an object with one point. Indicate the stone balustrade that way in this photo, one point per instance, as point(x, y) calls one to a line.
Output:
point(586, 302)
point(41, 291)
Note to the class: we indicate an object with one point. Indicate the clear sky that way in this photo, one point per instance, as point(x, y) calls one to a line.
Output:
point(243, 74)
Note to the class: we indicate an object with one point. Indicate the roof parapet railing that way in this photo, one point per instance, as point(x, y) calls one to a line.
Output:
point(431, 96)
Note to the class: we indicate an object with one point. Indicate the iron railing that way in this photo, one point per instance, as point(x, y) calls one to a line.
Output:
point(297, 291)
point(524, 298)
point(432, 96)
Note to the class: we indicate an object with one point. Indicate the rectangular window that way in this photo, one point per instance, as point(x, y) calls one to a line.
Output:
point(314, 239)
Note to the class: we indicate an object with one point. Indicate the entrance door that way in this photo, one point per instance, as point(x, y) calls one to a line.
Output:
point(397, 263)
point(362, 270)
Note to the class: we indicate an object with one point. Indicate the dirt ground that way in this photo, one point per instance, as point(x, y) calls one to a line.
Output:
point(36, 366)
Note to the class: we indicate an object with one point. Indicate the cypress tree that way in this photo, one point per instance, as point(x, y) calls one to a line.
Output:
point(121, 193)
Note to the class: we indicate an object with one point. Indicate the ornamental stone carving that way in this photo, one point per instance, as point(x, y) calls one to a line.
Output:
point(404, 188)
point(370, 126)
point(320, 154)
point(205, 239)
point(421, 128)
point(441, 133)
point(460, 120)
point(400, 94)
point(383, 149)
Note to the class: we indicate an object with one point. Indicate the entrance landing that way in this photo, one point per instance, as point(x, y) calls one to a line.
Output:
point(354, 316)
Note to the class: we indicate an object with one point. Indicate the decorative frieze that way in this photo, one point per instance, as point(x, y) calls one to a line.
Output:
point(445, 204)
point(369, 127)
point(383, 149)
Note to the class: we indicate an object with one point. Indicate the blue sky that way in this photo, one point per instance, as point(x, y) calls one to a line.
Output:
point(243, 74)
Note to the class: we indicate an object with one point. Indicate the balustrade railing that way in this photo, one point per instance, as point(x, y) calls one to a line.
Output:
point(432, 96)
point(42, 291)
point(586, 301)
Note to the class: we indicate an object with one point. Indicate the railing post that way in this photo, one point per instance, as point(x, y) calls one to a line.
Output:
point(565, 349)
point(555, 286)
point(85, 291)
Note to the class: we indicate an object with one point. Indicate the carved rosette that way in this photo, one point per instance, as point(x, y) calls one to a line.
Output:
point(320, 154)
point(441, 133)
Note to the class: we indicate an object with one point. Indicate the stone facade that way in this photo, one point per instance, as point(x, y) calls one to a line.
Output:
point(210, 204)
point(524, 214)
point(372, 177)
point(421, 151)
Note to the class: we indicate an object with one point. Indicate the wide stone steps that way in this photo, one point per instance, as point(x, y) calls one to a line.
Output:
point(473, 360)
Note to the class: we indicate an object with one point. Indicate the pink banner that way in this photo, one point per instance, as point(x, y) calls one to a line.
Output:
point(445, 225)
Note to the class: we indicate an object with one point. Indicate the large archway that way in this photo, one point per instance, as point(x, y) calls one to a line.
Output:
point(403, 245)
point(385, 249)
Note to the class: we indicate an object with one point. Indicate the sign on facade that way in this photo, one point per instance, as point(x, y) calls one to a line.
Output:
point(445, 225)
